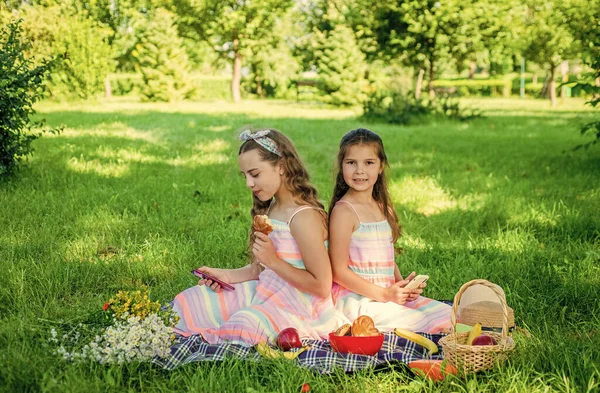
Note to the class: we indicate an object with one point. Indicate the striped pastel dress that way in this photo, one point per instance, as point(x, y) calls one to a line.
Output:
point(259, 309)
point(372, 258)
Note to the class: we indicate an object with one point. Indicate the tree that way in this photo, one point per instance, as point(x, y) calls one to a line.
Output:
point(161, 58)
point(584, 22)
point(81, 43)
point(231, 27)
point(341, 66)
point(549, 38)
point(20, 87)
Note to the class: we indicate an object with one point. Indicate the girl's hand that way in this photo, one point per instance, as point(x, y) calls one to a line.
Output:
point(220, 274)
point(414, 295)
point(398, 294)
point(263, 249)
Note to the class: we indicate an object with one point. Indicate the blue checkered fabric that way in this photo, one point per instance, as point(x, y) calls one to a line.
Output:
point(320, 357)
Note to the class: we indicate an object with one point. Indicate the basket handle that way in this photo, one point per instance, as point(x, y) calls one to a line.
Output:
point(497, 290)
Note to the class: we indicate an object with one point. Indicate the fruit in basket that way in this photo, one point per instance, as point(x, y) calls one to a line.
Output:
point(289, 338)
point(418, 339)
point(476, 331)
point(484, 339)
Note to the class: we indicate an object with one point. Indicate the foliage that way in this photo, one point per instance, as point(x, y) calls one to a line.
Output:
point(21, 85)
point(475, 87)
point(403, 108)
point(271, 63)
point(394, 107)
point(81, 44)
point(549, 39)
point(161, 59)
point(585, 24)
point(234, 29)
point(341, 66)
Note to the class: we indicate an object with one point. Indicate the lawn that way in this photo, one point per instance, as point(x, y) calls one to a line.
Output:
point(134, 194)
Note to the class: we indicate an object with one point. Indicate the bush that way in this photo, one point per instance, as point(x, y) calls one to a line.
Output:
point(21, 85)
point(81, 43)
point(403, 108)
point(394, 107)
point(205, 87)
point(126, 83)
point(474, 87)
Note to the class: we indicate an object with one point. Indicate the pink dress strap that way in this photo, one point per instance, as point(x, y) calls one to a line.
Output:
point(298, 210)
point(355, 212)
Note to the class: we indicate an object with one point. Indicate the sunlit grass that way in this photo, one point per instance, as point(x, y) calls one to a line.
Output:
point(134, 194)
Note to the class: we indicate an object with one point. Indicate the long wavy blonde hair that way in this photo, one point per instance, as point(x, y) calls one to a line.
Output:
point(295, 175)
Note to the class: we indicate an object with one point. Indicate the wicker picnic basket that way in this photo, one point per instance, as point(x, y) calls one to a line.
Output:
point(474, 358)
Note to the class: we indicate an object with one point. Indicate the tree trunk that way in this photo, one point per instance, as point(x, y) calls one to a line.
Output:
point(535, 77)
point(431, 79)
point(107, 88)
point(236, 78)
point(472, 69)
point(552, 85)
point(564, 69)
point(259, 89)
point(419, 85)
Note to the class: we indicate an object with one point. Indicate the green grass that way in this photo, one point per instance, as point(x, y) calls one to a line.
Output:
point(132, 194)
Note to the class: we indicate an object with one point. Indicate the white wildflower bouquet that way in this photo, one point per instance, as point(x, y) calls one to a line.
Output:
point(130, 328)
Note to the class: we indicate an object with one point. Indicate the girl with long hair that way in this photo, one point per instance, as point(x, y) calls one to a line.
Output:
point(363, 227)
point(288, 283)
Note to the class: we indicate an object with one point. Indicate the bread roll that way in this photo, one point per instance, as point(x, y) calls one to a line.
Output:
point(344, 330)
point(364, 326)
point(261, 223)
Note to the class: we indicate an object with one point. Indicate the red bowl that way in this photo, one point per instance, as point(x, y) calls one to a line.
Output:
point(357, 345)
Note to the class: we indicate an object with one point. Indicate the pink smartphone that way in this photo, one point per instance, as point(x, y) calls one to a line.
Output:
point(206, 276)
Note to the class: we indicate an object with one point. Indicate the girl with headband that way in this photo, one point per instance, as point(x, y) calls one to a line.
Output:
point(288, 284)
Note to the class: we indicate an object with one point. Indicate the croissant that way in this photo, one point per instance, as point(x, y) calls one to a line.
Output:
point(364, 326)
point(261, 223)
point(344, 330)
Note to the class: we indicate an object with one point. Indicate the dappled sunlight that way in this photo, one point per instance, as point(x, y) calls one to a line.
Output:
point(198, 160)
point(413, 242)
point(514, 240)
point(217, 145)
point(96, 230)
point(252, 108)
point(81, 249)
point(126, 155)
point(425, 196)
point(217, 128)
point(115, 129)
point(422, 195)
point(539, 216)
point(590, 195)
point(104, 169)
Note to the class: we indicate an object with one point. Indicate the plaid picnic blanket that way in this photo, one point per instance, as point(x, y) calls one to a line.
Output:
point(320, 357)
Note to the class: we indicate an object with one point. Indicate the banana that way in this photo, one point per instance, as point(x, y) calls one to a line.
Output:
point(417, 338)
point(476, 331)
point(271, 353)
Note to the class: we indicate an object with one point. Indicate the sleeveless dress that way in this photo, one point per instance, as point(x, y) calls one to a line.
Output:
point(372, 258)
point(258, 309)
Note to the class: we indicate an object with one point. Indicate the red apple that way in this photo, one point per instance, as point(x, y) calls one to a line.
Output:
point(289, 338)
point(484, 340)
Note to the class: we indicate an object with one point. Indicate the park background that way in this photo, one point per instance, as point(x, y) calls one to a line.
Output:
point(487, 110)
